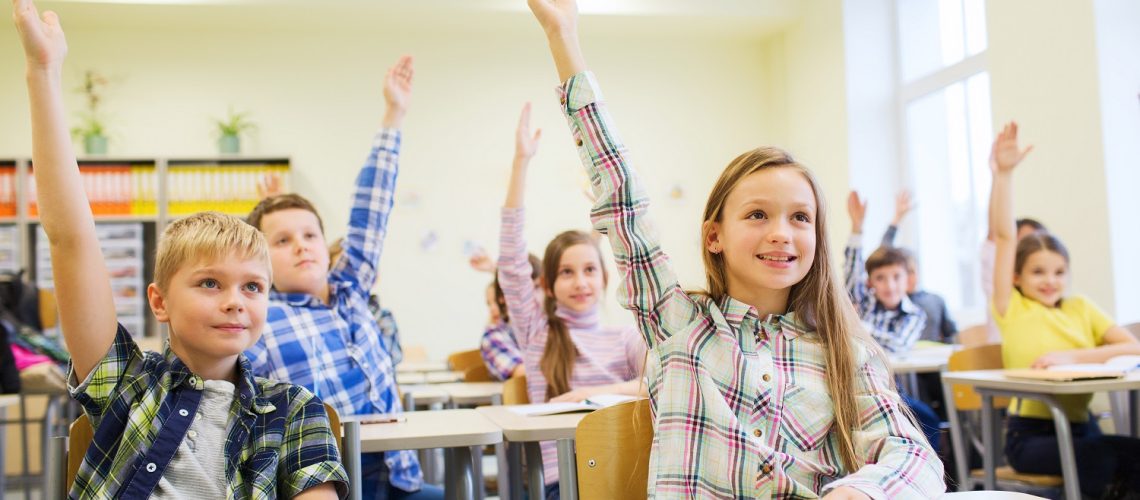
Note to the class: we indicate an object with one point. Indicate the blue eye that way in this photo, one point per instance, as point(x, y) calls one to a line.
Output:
point(208, 283)
point(802, 217)
point(253, 287)
point(757, 215)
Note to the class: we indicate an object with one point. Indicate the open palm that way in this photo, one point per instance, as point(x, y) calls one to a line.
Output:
point(526, 145)
point(398, 84)
point(43, 40)
point(1006, 154)
point(555, 16)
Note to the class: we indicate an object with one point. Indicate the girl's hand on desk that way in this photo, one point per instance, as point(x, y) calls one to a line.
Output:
point(1055, 358)
point(846, 493)
point(574, 396)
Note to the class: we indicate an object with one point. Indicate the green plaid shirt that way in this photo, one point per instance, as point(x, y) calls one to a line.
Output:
point(279, 444)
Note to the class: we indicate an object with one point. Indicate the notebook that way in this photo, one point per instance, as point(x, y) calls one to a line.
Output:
point(1052, 375)
point(589, 404)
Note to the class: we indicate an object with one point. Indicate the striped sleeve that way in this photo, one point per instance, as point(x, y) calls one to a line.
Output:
point(514, 271)
point(648, 285)
point(898, 462)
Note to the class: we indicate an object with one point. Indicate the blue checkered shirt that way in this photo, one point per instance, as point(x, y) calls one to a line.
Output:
point(335, 350)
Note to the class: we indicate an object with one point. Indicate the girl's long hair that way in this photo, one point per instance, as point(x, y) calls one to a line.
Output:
point(819, 302)
point(558, 356)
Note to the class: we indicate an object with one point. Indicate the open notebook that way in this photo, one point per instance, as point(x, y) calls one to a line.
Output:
point(590, 404)
point(1115, 367)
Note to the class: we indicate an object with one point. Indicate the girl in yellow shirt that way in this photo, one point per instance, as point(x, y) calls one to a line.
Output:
point(1040, 327)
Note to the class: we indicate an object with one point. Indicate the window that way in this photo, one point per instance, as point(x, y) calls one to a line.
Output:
point(944, 101)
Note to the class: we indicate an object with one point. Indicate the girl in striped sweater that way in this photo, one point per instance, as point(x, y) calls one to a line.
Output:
point(568, 354)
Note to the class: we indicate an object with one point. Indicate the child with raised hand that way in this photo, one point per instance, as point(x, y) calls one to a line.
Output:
point(940, 326)
point(193, 422)
point(498, 346)
point(767, 385)
point(568, 354)
point(321, 332)
point(1041, 327)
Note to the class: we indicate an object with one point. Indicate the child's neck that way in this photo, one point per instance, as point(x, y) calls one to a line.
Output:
point(579, 320)
point(209, 369)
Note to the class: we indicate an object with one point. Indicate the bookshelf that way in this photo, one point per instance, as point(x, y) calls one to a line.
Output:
point(132, 199)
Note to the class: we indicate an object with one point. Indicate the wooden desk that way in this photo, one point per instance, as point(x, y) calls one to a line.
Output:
point(473, 393)
point(990, 383)
point(529, 431)
point(454, 430)
point(923, 360)
point(432, 396)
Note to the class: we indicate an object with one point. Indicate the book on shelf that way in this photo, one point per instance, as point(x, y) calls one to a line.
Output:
point(589, 404)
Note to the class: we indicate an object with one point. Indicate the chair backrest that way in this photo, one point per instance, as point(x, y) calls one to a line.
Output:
point(613, 451)
point(462, 360)
point(974, 336)
point(514, 391)
point(78, 440)
point(478, 373)
point(986, 357)
point(80, 436)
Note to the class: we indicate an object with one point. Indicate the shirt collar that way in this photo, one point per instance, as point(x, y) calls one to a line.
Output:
point(737, 313)
point(906, 306)
point(248, 396)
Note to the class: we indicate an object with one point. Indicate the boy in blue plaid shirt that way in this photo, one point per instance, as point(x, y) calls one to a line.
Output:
point(193, 422)
point(321, 333)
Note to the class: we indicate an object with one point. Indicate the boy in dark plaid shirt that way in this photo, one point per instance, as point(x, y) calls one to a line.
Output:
point(193, 422)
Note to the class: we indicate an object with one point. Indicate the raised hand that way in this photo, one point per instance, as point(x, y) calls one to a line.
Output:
point(857, 209)
point(398, 91)
point(903, 205)
point(482, 262)
point(44, 43)
point(1006, 154)
point(557, 17)
point(269, 185)
point(526, 145)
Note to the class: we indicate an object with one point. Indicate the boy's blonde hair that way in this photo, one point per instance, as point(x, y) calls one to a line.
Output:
point(207, 236)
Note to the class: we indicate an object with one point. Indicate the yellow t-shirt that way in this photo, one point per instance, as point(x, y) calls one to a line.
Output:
point(1030, 329)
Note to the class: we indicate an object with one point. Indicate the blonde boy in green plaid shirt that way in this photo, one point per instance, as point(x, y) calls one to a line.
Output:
point(194, 422)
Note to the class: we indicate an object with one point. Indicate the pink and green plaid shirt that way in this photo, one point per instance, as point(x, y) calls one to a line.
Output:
point(741, 405)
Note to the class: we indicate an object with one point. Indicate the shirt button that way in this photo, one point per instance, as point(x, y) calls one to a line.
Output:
point(579, 142)
point(183, 412)
point(192, 434)
point(757, 433)
point(151, 467)
point(766, 468)
point(767, 377)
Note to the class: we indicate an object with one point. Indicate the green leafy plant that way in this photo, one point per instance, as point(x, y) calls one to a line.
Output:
point(90, 121)
point(235, 123)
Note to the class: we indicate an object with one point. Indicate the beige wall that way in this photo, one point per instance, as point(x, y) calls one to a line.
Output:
point(685, 104)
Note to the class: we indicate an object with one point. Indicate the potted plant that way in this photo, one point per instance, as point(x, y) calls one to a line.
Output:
point(91, 127)
point(230, 129)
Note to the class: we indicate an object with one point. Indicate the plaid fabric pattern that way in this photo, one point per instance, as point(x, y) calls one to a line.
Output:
point(740, 403)
point(336, 350)
point(279, 444)
point(500, 351)
point(896, 330)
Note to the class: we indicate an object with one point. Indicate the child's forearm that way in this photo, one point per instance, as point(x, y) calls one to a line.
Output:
point(516, 187)
point(567, 53)
point(1106, 352)
point(1003, 220)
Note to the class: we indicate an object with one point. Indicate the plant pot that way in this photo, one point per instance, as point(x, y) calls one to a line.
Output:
point(95, 144)
point(229, 144)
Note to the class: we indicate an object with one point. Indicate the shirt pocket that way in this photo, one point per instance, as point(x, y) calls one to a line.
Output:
point(808, 417)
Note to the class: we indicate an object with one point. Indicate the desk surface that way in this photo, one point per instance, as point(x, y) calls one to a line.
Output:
point(472, 393)
point(421, 366)
point(444, 377)
point(430, 429)
point(427, 395)
point(922, 359)
point(523, 429)
point(996, 379)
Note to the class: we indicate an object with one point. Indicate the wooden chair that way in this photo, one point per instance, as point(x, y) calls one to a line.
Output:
point(462, 360)
point(514, 391)
point(613, 451)
point(81, 433)
point(478, 373)
point(963, 398)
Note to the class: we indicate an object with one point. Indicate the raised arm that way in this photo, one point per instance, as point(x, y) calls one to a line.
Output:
point(82, 284)
point(1004, 157)
point(648, 285)
point(903, 206)
point(853, 273)
point(376, 182)
point(514, 270)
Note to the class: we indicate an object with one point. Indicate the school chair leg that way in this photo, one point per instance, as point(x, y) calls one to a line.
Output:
point(534, 470)
point(55, 468)
point(567, 470)
point(352, 459)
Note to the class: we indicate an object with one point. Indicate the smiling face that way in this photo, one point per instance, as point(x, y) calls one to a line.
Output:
point(298, 251)
point(215, 307)
point(766, 234)
point(1042, 277)
point(579, 281)
point(889, 284)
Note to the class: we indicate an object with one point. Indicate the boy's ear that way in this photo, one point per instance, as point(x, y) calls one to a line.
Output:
point(711, 230)
point(157, 303)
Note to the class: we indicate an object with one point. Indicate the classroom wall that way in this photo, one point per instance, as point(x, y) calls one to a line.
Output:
point(1119, 73)
point(315, 95)
point(1043, 65)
